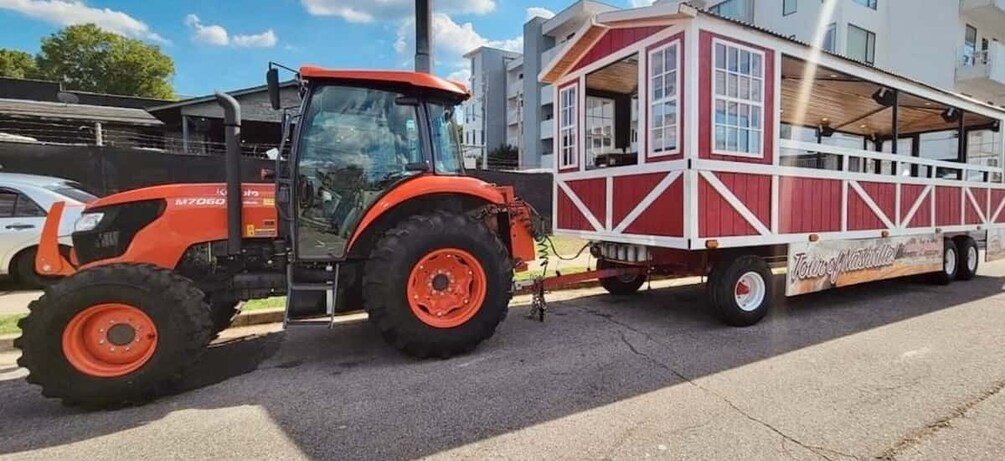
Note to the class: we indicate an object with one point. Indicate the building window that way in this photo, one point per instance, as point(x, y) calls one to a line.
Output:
point(738, 96)
point(830, 38)
point(664, 91)
point(970, 46)
point(788, 7)
point(567, 127)
point(734, 9)
point(861, 45)
point(599, 127)
point(867, 3)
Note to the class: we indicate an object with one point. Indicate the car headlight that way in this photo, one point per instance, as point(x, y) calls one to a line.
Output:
point(87, 222)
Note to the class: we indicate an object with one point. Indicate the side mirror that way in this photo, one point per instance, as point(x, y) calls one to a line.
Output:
point(272, 80)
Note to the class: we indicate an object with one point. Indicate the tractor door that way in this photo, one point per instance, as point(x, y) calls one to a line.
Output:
point(355, 144)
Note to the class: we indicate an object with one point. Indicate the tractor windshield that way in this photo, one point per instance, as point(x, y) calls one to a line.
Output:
point(446, 140)
point(355, 144)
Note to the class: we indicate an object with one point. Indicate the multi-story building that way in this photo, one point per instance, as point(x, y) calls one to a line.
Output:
point(953, 44)
point(485, 113)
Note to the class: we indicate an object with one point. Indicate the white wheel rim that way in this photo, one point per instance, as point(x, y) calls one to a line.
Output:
point(749, 291)
point(972, 258)
point(950, 261)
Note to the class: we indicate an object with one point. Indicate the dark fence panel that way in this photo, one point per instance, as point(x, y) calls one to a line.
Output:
point(534, 188)
point(107, 170)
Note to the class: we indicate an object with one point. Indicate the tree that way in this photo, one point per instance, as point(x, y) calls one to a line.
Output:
point(87, 58)
point(17, 64)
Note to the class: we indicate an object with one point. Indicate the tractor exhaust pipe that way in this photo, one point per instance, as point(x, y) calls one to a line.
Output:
point(232, 162)
point(423, 36)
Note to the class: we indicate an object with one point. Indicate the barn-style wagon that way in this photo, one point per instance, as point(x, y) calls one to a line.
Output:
point(687, 143)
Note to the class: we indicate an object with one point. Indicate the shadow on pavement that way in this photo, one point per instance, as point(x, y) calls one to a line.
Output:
point(344, 394)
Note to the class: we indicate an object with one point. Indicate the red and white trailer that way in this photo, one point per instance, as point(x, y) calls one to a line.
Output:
point(686, 143)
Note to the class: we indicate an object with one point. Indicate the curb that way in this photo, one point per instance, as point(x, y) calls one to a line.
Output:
point(7, 342)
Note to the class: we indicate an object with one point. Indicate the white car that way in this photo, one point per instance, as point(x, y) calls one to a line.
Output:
point(24, 202)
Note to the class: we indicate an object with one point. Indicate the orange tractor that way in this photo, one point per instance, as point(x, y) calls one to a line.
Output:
point(370, 209)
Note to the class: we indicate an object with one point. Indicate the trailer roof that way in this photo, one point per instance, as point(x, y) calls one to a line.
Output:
point(416, 79)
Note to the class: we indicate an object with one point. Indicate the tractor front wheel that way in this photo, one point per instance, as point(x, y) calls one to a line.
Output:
point(437, 284)
point(114, 335)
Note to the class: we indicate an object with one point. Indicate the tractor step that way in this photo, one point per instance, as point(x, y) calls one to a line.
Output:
point(311, 303)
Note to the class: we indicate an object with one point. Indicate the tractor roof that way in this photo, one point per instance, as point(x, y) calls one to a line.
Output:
point(416, 79)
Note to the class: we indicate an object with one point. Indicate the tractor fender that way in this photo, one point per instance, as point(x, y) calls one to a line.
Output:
point(427, 186)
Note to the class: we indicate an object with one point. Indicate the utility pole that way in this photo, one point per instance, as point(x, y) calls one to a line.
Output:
point(423, 36)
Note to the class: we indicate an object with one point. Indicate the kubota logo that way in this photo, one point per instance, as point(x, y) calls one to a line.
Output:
point(246, 193)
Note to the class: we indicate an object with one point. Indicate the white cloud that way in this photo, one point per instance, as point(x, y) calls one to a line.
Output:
point(265, 39)
point(640, 3)
point(373, 10)
point(536, 11)
point(451, 41)
point(214, 34)
point(74, 12)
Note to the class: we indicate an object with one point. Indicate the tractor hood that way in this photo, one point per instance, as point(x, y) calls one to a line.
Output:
point(209, 194)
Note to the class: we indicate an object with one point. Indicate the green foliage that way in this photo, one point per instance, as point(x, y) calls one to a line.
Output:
point(17, 64)
point(86, 58)
point(505, 156)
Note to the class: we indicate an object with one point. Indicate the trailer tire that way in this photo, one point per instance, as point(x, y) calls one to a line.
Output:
point(740, 290)
point(160, 325)
point(621, 285)
point(968, 258)
point(950, 263)
point(438, 284)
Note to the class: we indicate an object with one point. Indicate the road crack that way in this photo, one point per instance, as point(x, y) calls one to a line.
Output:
point(822, 452)
point(917, 436)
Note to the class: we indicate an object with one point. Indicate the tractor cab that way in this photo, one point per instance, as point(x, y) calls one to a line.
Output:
point(358, 135)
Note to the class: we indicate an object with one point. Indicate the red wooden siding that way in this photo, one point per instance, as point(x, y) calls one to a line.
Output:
point(981, 196)
point(568, 216)
point(665, 217)
point(629, 191)
point(717, 217)
point(909, 194)
point(860, 216)
point(809, 205)
point(753, 190)
point(593, 194)
point(997, 196)
point(947, 206)
point(613, 41)
point(705, 101)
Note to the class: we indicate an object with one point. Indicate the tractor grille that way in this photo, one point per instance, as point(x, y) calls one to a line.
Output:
point(116, 231)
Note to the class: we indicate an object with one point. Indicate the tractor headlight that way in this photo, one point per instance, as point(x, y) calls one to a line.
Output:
point(88, 221)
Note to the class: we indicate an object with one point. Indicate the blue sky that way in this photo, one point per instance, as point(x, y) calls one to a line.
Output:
point(227, 44)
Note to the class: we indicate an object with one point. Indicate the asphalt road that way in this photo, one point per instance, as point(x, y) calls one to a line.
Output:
point(894, 369)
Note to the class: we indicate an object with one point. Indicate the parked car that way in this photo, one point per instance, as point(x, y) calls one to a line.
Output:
point(24, 202)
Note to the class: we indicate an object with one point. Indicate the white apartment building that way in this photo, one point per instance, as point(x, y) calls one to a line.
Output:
point(953, 44)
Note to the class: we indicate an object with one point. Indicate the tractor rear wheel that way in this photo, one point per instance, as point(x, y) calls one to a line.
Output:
point(114, 335)
point(438, 284)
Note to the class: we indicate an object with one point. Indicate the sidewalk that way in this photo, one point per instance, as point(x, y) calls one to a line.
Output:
point(16, 302)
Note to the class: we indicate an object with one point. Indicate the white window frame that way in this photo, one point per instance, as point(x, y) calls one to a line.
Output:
point(762, 105)
point(650, 101)
point(571, 128)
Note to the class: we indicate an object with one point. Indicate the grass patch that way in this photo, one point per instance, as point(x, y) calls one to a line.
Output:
point(567, 246)
point(8, 324)
point(275, 302)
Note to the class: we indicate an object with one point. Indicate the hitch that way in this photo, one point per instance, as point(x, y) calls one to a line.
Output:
point(539, 305)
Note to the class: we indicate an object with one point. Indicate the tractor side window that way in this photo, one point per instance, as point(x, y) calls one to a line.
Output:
point(356, 143)
point(446, 140)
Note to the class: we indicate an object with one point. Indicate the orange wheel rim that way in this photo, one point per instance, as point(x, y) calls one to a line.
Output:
point(109, 340)
point(446, 288)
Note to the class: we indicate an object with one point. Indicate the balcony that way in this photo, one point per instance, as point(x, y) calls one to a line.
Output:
point(547, 95)
point(982, 74)
point(548, 129)
point(514, 89)
point(985, 10)
point(550, 54)
point(512, 117)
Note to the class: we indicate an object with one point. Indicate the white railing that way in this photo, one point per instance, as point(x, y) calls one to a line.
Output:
point(987, 174)
point(971, 58)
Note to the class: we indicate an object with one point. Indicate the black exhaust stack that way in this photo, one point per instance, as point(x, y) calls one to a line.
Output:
point(423, 31)
point(232, 161)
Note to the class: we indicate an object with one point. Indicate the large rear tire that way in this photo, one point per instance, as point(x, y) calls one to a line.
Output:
point(437, 284)
point(114, 336)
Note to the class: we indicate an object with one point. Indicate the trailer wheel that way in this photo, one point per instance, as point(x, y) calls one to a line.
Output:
point(437, 284)
point(621, 285)
point(114, 335)
point(950, 263)
point(740, 290)
point(968, 258)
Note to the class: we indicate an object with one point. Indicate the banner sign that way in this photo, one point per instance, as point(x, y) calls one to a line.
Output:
point(996, 244)
point(830, 264)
